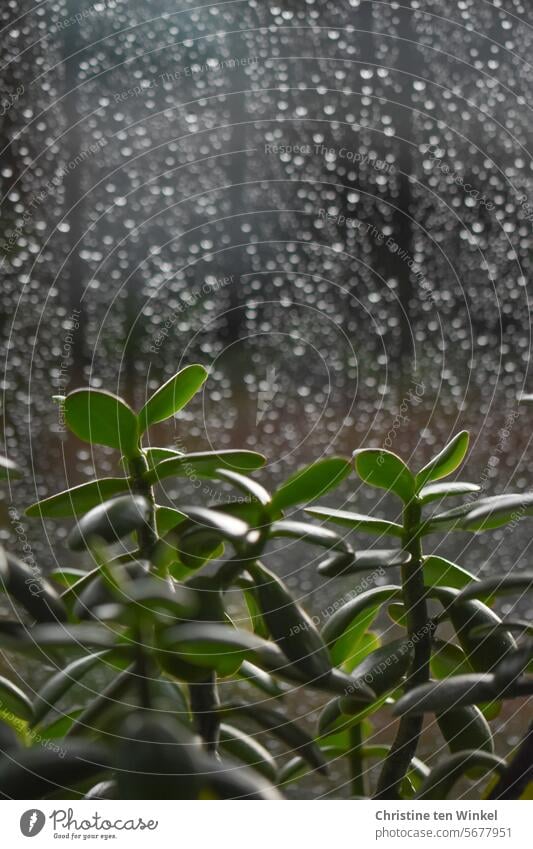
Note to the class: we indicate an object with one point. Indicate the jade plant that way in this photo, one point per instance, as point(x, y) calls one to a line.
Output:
point(135, 647)
point(457, 660)
point(147, 685)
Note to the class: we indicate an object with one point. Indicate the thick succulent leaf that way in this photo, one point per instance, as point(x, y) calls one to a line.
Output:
point(291, 628)
point(155, 766)
point(337, 716)
point(172, 396)
point(311, 482)
point(500, 585)
point(385, 470)
point(296, 767)
point(346, 626)
point(441, 572)
point(246, 485)
point(67, 577)
point(447, 773)
point(483, 652)
point(434, 491)
point(513, 626)
point(39, 771)
point(78, 499)
point(78, 636)
point(102, 418)
point(8, 469)
point(383, 670)
point(498, 511)
point(211, 645)
point(248, 750)
point(205, 464)
point(14, 700)
point(110, 521)
point(356, 521)
point(438, 696)
point(448, 659)
point(445, 462)
point(275, 722)
point(157, 455)
point(170, 600)
point(305, 532)
point(167, 518)
point(60, 683)
point(103, 790)
point(197, 546)
point(28, 587)
point(465, 727)
point(362, 561)
point(260, 679)
point(222, 524)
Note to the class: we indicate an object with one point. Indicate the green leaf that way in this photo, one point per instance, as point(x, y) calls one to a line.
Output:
point(368, 643)
point(383, 670)
point(221, 524)
point(211, 645)
point(247, 750)
point(276, 723)
point(441, 572)
point(39, 771)
point(367, 524)
point(205, 464)
point(333, 719)
point(167, 518)
point(157, 455)
point(311, 482)
point(247, 485)
point(483, 652)
point(446, 461)
point(311, 534)
point(345, 628)
point(197, 546)
point(37, 595)
point(102, 418)
point(362, 561)
point(500, 585)
point(14, 700)
point(67, 577)
point(110, 521)
point(447, 659)
point(459, 690)
point(8, 469)
point(78, 499)
point(172, 396)
point(291, 628)
point(465, 727)
point(385, 470)
point(445, 775)
point(498, 511)
point(259, 679)
point(60, 683)
point(76, 636)
point(435, 491)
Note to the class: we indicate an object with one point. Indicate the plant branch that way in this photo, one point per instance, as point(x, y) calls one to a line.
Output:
point(147, 535)
point(356, 761)
point(419, 631)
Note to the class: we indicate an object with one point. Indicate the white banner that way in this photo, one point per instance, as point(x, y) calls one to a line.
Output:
point(266, 825)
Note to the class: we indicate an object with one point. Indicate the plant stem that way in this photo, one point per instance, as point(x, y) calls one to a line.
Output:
point(356, 762)
point(419, 631)
point(519, 771)
point(204, 708)
point(147, 535)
